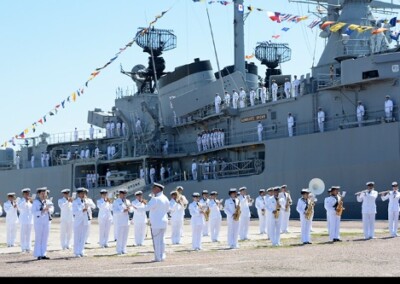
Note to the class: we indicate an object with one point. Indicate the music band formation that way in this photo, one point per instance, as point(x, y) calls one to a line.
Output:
point(273, 208)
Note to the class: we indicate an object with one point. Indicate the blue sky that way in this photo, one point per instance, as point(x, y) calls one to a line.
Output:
point(49, 48)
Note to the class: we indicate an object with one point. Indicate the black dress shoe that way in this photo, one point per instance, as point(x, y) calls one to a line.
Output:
point(45, 257)
point(39, 258)
point(309, 243)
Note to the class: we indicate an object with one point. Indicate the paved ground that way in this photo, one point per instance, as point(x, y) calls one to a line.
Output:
point(352, 257)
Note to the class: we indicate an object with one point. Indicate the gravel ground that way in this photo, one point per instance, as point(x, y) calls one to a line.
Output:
point(256, 257)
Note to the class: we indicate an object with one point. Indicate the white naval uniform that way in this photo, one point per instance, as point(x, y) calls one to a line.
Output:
point(11, 222)
point(244, 220)
point(274, 228)
point(333, 220)
point(259, 131)
point(217, 103)
point(302, 206)
point(41, 223)
point(177, 212)
point(26, 221)
point(197, 221)
point(285, 214)
point(122, 223)
point(388, 108)
point(227, 100)
point(233, 226)
point(91, 132)
point(105, 219)
point(290, 124)
point(91, 206)
point(158, 207)
point(204, 203)
point(242, 99)
point(261, 211)
point(66, 222)
point(368, 210)
point(393, 211)
point(139, 222)
point(274, 90)
point(360, 114)
point(215, 220)
point(321, 120)
point(288, 88)
point(81, 225)
point(252, 96)
point(263, 95)
point(235, 99)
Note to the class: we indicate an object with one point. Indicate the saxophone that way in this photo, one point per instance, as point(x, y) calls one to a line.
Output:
point(310, 209)
point(340, 208)
point(277, 209)
point(288, 203)
point(236, 214)
point(207, 214)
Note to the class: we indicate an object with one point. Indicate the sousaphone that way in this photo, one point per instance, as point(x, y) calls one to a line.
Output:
point(316, 186)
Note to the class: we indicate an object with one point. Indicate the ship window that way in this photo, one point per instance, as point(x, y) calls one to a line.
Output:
point(273, 115)
point(370, 74)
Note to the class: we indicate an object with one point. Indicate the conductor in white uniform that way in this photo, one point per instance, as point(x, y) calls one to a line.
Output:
point(368, 209)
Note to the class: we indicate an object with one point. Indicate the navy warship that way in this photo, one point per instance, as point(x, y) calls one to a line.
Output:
point(171, 130)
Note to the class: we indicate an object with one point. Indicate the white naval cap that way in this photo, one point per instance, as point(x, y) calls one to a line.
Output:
point(67, 190)
point(305, 190)
point(370, 183)
point(103, 191)
point(394, 183)
point(334, 187)
point(123, 190)
point(27, 189)
point(196, 194)
point(283, 186)
point(214, 193)
point(81, 189)
point(40, 189)
point(232, 190)
point(270, 189)
point(11, 194)
point(138, 192)
point(179, 187)
point(261, 190)
point(159, 185)
point(173, 192)
point(242, 188)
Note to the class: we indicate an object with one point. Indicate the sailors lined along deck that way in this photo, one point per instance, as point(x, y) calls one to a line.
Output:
point(368, 199)
point(287, 88)
point(105, 217)
point(66, 219)
point(296, 87)
point(25, 219)
point(274, 90)
point(217, 103)
point(210, 139)
point(393, 208)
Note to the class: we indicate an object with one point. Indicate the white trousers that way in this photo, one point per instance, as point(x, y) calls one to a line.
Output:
point(66, 234)
point(321, 126)
point(274, 230)
point(305, 229)
point(26, 233)
point(176, 231)
point(285, 220)
point(333, 225)
point(368, 225)
point(140, 232)
point(259, 135)
point(123, 232)
point(215, 227)
point(274, 94)
point(262, 222)
point(42, 230)
point(233, 233)
point(205, 228)
point(393, 222)
point(244, 224)
point(11, 233)
point(159, 244)
point(196, 236)
point(79, 238)
point(88, 231)
point(290, 131)
point(104, 231)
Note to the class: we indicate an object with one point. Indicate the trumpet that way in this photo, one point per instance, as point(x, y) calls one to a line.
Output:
point(363, 191)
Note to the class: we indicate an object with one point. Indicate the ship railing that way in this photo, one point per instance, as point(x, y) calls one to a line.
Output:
point(354, 47)
point(102, 182)
point(66, 137)
point(327, 80)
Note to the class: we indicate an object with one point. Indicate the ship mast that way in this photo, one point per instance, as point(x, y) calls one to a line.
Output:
point(238, 30)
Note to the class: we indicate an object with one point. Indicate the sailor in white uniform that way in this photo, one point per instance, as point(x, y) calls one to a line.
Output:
point(158, 207)
point(66, 219)
point(184, 202)
point(264, 95)
point(232, 209)
point(81, 224)
point(242, 98)
point(388, 108)
point(235, 99)
point(393, 208)
point(91, 132)
point(259, 130)
point(215, 206)
point(296, 87)
point(32, 161)
point(76, 134)
point(261, 208)
point(121, 208)
point(90, 204)
point(25, 219)
point(244, 221)
point(290, 124)
point(285, 211)
point(177, 212)
point(217, 103)
point(204, 203)
point(287, 87)
point(139, 218)
point(11, 209)
point(368, 199)
point(274, 206)
point(274, 90)
point(333, 219)
point(252, 96)
point(360, 112)
point(42, 208)
point(321, 119)
point(303, 205)
point(197, 220)
point(105, 218)
point(227, 99)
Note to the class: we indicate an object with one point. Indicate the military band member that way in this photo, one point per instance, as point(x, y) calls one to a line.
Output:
point(105, 218)
point(121, 208)
point(333, 219)
point(303, 207)
point(393, 208)
point(90, 206)
point(368, 199)
point(232, 211)
point(244, 222)
point(81, 217)
point(197, 220)
point(287, 201)
point(215, 216)
point(261, 208)
point(139, 218)
point(25, 219)
point(11, 209)
point(184, 202)
point(42, 208)
point(177, 212)
point(204, 203)
point(66, 219)
point(274, 206)
point(158, 207)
